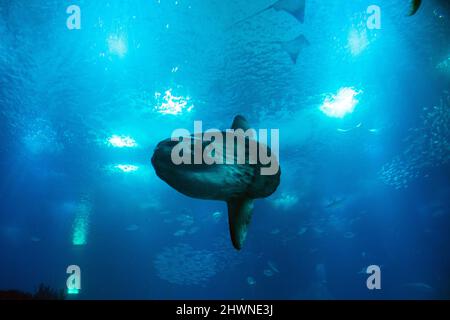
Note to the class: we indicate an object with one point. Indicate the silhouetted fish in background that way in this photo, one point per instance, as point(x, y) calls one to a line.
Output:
point(294, 47)
point(334, 203)
point(296, 8)
point(414, 7)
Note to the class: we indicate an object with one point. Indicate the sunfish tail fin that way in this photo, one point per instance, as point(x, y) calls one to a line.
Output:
point(240, 213)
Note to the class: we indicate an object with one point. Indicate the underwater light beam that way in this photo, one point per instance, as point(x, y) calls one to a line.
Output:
point(173, 105)
point(127, 168)
point(341, 104)
point(358, 41)
point(122, 142)
point(81, 224)
point(117, 45)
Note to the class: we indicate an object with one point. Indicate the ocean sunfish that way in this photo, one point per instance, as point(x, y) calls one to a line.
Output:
point(237, 184)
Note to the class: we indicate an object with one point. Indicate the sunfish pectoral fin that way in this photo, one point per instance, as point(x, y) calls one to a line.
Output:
point(240, 212)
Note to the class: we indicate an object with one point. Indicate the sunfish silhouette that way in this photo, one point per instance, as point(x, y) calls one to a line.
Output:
point(237, 184)
point(296, 8)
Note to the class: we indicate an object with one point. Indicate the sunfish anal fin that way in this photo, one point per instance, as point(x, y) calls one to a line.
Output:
point(240, 211)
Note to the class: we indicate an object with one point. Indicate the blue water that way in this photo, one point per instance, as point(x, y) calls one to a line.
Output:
point(371, 188)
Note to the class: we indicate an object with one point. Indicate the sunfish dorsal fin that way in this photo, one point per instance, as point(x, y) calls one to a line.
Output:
point(240, 211)
point(240, 122)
